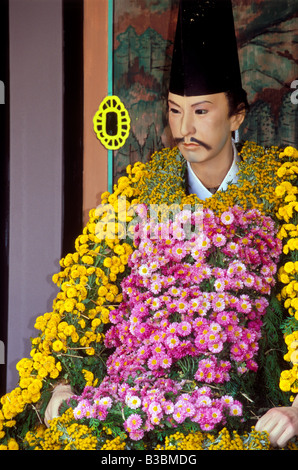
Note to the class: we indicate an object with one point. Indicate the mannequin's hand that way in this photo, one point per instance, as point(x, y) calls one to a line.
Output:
point(61, 393)
point(281, 424)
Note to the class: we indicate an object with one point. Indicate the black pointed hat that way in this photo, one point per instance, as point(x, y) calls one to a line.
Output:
point(205, 58)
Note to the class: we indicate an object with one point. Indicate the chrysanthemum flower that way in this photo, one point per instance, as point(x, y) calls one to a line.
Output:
point(179, 416)
point(202, 244)
point(156, 286)
point(179, 251)
point(133, 422)
point(178, 232)
point(184, 328)
point(215, 415)
point(172, 341)
point(182, 306)
point(218, 304)
point(235, 409)
point(204, 400)
point(133, 401)
point(205, 426)
point(219, 285)
point(215, 347)
point(155, 303)
point(155, 408)
point(137, 434)
point(244, 306)
point(168, 407)
point(232, 248)
point(227, 218)
point(144, 270)
point(189, 410)
point(219, 240)
point(153, 363)
point(106, 401)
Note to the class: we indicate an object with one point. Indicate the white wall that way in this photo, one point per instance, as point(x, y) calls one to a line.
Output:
point(36, 105)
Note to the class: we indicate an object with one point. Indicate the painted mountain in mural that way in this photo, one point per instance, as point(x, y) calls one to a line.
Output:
point(268, 57)
point(141, 68)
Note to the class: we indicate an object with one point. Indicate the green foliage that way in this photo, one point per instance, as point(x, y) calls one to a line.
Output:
point(289, 325)
point(272, 350)
point(187, 367)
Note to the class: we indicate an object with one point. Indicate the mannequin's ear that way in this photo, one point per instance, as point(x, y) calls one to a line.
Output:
point(237, 119)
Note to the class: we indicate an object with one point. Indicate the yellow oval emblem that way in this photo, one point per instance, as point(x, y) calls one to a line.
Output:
point(112, 123)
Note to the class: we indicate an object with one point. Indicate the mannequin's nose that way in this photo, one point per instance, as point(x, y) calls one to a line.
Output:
point(187, 125)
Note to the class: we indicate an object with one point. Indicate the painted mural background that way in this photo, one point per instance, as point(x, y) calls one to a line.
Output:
point(267, 36)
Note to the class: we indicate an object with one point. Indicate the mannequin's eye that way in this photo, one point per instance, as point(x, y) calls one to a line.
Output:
point(174, 111)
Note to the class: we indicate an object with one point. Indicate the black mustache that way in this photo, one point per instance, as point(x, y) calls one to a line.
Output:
point(179, 140)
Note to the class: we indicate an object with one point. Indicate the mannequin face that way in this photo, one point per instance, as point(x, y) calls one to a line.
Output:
point(201, 126)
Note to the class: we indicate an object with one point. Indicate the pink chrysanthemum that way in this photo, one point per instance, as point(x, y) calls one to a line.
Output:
point(206, 426)
point(101, 413)
point(137, 435)
point(218, 304)
point(232, 248)
point(227, 218)
point(182, 306)
point(220, 285)
point(235, 409)
point(189, 410)
point(144, 270)
point(244, 305)
point(165, 362)
point(172, 341)
point(215, 347)
point(153, 363)
point(219, 240)
point(202, 244)
point(184, 328)
point(168, 407)
point(179, 416)
point(177, 232)
point(215, 415)
point(155, 408)
point(156, 286)
point(106, 401)
point(133, 401)
point(179, 251)
point(133, 422)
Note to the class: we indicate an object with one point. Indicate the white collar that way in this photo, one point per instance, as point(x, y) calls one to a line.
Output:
point(196, 187)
